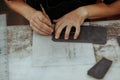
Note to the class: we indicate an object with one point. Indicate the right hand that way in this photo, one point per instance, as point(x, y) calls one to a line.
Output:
point(41, 23)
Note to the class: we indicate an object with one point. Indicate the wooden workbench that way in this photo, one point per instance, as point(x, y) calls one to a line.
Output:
point(20, 51)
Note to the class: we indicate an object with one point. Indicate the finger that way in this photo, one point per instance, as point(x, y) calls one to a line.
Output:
point(58, 24)
point(39, 28)
point(59, 30)
point(36, 24)
point(57, 20)
point(38, 31)
point(47, 16)
point(43, 26)
point(67, 32)
point(77, 32)
point(45, 20)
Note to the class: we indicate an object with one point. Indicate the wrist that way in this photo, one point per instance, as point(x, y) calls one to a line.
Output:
point(30, 14)
point(82, 11)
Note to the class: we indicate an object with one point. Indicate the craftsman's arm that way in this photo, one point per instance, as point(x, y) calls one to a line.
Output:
point(21, 7)
point(77, 17)
point(103, 10)
point(37, 19)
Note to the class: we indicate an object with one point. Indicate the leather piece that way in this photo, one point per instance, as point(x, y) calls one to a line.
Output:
point(88, 34)
point(118, 39)
point(100, 69)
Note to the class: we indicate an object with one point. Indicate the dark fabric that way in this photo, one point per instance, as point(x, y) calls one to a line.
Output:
point(57, 8)
point(34, 3)
point(3, 6)
point(109, 1)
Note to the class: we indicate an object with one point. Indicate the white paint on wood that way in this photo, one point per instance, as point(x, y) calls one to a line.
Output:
point(109, 23)
point(21, 68)
point(111, 51)
point(112, 74)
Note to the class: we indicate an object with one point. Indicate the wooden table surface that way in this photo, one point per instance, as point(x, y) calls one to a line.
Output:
point(20, 51)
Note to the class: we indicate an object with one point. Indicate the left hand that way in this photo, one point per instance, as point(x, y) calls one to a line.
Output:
point(72, 19)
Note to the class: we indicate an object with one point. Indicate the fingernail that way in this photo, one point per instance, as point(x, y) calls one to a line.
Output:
point(75, 37)
point(51, 30)
point(66, 38)
point(50, 24)
point(56, 37)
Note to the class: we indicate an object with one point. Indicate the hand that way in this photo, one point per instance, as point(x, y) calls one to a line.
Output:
point(72, 19)
point(41, 23)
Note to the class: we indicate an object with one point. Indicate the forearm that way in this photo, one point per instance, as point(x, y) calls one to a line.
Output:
point(21, 7)
point(102, 10)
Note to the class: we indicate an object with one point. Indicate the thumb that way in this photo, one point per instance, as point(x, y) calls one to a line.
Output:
point(56, 20)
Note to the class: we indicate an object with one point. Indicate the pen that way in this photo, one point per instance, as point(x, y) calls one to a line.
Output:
point(43, 10)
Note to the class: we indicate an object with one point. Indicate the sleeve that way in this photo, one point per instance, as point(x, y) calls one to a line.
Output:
point(108, 1)
point(34, 4)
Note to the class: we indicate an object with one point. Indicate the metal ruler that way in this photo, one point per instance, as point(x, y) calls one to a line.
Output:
point(4, 74)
